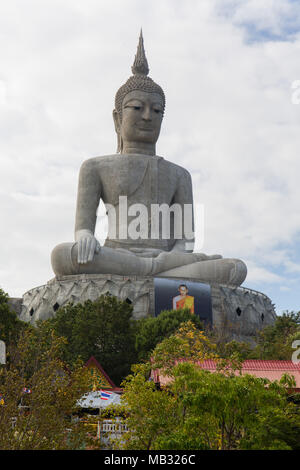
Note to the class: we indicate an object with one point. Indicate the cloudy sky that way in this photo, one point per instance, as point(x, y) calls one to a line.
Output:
point(227, 68)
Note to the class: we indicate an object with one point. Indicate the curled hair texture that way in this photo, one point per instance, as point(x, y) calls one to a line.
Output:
point(138, 81)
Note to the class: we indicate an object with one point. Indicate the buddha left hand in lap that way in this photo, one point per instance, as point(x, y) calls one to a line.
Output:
point(132, 182)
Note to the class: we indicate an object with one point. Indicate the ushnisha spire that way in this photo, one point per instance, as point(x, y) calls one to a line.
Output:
point(139, 80)
point(140, 64)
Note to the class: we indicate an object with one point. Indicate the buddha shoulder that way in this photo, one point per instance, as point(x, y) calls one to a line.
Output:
point(96, 163)
point(179, 171)
point(123, 164)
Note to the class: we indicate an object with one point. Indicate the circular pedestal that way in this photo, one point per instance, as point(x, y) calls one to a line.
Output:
point(237, 312)
point(42, 302)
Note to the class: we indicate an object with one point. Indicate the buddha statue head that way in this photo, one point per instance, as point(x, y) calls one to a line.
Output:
point(139, 108)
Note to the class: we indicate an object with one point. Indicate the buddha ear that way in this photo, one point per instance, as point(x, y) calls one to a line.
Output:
point(117, 121)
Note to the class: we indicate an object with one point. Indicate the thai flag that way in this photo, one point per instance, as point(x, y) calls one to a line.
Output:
point(26, 390)
point(105, 395)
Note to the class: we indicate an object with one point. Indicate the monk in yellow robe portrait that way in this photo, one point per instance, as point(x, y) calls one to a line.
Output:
point(183, 300)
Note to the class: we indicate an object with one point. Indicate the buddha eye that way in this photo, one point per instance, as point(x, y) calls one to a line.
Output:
point(136, 107)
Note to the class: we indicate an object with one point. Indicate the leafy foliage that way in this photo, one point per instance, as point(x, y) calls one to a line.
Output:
point(152, 330)
point(275, 341)
point(202, 410)
point(102, 329)
point(187, 342)
point(195, 410)
point(239, 348)
point(40, 419)
point(105, 329)
point(10, 325)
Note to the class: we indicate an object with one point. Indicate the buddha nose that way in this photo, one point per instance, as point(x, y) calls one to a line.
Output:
point(147, 114)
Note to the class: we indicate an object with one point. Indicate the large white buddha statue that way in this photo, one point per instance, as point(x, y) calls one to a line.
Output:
point(149, 201)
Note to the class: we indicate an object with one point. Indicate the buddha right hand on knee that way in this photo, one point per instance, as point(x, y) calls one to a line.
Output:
point(88, 245)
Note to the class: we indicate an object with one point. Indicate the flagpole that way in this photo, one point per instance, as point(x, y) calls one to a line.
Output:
point(99, 423)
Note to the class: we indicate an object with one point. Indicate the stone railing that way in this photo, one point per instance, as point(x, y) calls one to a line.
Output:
point(109, 426)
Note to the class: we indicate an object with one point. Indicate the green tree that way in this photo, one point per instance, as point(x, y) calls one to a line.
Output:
point(103, 328)
point(203, 410)
point(242, 408)
point(41, 419)
point(239, 348)
point(149, 413)
point(187, 342)
point(197, 409)
point(10, 325)
point(153, 414)
point(275, 341)
point(152, 330)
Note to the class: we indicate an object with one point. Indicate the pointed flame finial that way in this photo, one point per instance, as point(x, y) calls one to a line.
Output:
point(140, 65)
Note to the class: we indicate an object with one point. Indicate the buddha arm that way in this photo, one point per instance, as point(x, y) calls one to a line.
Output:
point(184, 197)
point(88, 197)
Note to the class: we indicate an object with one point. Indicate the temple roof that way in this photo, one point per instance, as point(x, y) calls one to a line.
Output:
point(99, 378)
point(268, 369)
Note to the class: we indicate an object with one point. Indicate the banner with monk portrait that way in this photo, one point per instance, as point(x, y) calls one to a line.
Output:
point(175, 294)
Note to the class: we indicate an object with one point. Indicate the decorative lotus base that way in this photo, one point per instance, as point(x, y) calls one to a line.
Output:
point(41, 303)
point(237, 312)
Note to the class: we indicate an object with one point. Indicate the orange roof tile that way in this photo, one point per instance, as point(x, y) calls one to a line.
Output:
point(269, 369)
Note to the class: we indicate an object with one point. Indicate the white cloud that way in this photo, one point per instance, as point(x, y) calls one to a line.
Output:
point(285, 289)
point(258, 274)
point(272, 16)
point(292, 267)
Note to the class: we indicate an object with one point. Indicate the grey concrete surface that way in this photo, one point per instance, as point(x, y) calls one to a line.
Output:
point(237, 312)
point(145, 179)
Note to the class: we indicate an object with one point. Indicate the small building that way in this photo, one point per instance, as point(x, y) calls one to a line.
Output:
point(268, 369)
point(100, 380)
point(103, 394)
point(103, 391)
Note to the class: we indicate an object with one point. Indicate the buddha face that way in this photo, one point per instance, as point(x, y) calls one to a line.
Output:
point(142, 114)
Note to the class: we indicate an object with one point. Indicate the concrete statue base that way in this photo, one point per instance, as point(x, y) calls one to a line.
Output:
point(237, 312)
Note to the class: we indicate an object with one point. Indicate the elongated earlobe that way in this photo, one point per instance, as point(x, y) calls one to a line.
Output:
point(117, 122)
point(120, 144)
